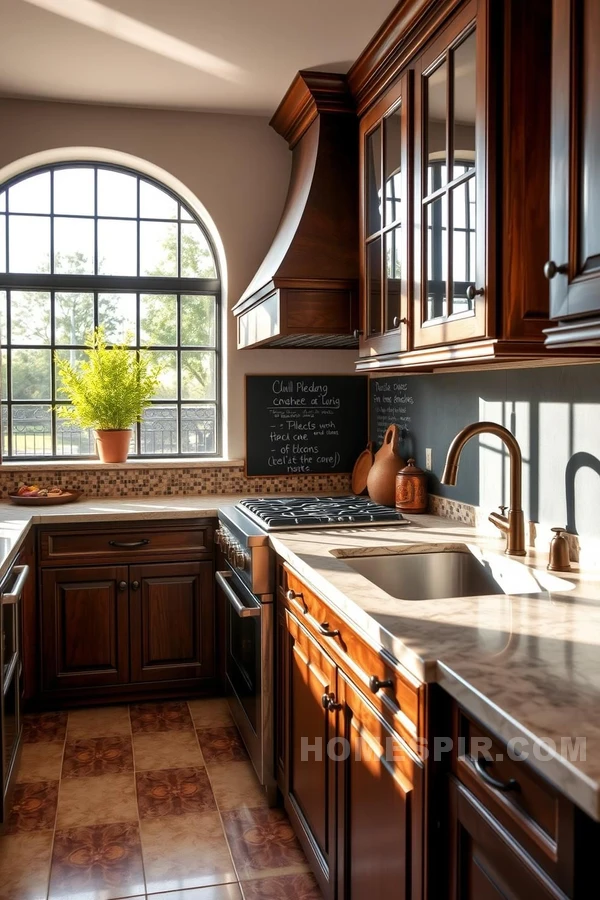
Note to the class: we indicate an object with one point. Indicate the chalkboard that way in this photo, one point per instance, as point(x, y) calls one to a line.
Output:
point(391, 403)
point(302, 423)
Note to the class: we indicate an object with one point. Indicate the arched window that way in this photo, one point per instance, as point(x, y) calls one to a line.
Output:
point(83, 245)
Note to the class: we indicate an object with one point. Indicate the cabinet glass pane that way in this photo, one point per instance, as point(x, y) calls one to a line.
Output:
point(374, 286)
point(392, 165)
point(373, 176)
point(463, 244)
point(464, 106)
point(437, 113)
point(436, 215)
point(392, 277)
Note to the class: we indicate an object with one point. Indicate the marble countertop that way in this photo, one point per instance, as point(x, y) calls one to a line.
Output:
point(528, 667)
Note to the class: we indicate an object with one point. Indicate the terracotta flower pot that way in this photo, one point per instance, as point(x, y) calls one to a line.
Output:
point(113, 445)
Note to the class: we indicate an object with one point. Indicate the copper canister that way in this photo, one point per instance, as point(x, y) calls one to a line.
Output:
point(411, 489)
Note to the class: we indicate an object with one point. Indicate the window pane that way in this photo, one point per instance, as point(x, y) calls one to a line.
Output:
point(463, 243)
point(196, 256)
point(3, 375)
point(29, 317)
point(437, 257)
point(393, 162)
point(158, 319)
point(117, 194)
point(464, 105)
point(184, 214)
point(158, 248)
point(159, 431)
point(31, 195)
point(2, 243)
point(30, 370)
point(167, 360)
point(74, 246)
point(74, 317)
point(3, 323)
point(4, 414)
point(29, 243)
point(197, 375)
point(198, 321)
point(74, 192)
point(72, 440)
point(117, 247)
point(31, 431)
point(373, 181)
point(198, 429)
point(2, 201)
point(117, 313)
point(75, 357)
point(156, 204)
point(436, 85)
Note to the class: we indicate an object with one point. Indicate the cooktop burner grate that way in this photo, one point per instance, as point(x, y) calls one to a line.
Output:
point(318, 512)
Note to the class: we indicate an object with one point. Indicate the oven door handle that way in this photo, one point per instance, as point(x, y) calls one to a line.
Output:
point(222, 579)
point(22, 573)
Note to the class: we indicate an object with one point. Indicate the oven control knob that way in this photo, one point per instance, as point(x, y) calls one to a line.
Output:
point(239, 558)
point(219, 534)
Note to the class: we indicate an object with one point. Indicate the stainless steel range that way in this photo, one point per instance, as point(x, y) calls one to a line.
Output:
point(247, 585)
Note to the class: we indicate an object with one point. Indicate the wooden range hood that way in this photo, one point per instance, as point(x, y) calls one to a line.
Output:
point(305, 293)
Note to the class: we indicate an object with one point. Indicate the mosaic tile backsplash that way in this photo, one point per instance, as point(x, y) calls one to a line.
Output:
point(137, 481)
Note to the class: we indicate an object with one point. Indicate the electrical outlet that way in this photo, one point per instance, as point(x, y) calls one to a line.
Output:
point(428, 459)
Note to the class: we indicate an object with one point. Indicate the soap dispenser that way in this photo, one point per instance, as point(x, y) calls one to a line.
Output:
point(559, 560)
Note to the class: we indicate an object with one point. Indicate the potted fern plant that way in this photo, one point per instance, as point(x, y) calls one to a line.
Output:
point(108, 392)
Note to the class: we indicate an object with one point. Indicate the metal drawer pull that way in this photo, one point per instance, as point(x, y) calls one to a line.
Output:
point(127, 545)
point(326, 631)
point(22, 573)
point(551, 269)
point(294, 595)
point(480, 764)
point(375, 684)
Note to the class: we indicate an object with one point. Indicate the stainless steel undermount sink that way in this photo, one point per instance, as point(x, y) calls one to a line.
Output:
point(465, 572)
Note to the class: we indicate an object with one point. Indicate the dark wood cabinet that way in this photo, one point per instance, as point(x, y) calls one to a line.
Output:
point(171, 621)
point(126, 611)
point(351, 785)
point(380, 803)
point(85, 627)
point(487, 864)
point(310, 777)
point(455, 156)
point(574, 262)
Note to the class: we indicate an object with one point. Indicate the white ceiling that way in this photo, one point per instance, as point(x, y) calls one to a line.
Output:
point(219, 55)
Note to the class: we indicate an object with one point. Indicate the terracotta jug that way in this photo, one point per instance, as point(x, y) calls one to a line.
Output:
point(381, 481)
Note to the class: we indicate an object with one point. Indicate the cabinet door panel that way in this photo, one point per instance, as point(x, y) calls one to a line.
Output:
point(379, 797)
point(85, 623)
point(172, 616)
point(575, 178)
point(486, 864)
point(310, 788)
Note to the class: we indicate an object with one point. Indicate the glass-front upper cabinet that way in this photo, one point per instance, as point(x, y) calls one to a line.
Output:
point(385, 211)
point(450, 136)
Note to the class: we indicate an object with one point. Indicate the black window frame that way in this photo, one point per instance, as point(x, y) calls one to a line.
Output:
point(137, 285)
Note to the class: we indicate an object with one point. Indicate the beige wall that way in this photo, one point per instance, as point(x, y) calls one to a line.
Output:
point(237, 167)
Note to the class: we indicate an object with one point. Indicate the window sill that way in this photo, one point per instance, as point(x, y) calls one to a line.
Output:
point(131, 465)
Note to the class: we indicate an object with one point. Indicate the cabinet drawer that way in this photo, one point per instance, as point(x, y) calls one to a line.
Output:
point(530, 809)
point(400, 701)
point(129, 542)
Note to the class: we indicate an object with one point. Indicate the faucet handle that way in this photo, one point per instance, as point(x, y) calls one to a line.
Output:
point(503, 509)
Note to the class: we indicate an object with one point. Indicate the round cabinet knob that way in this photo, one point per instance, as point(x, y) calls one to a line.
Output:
point(135, 585)
point(293, 595)
point(122, 585)
point(375, 684)
point(325, 701)
point(356, 334)
point(473, 292)
point(397, 321)
point(551, 269)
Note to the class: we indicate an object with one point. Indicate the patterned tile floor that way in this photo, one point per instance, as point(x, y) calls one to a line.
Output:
point(152, 800)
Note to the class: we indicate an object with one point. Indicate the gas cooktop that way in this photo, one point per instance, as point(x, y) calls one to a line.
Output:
point(273, 513)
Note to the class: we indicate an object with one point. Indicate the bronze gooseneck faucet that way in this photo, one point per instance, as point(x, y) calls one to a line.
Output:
point(512, 525)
